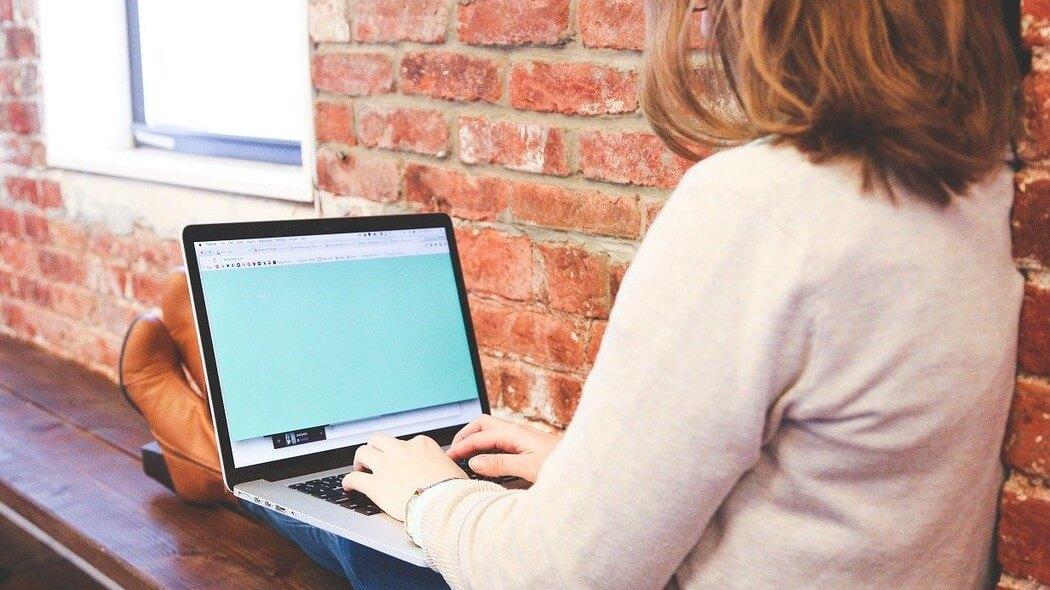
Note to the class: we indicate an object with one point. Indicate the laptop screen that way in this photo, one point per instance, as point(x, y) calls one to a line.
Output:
point(321, 341)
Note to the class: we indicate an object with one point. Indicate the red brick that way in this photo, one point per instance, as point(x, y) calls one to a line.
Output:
point(21, 42)
point(577, 281)
point(32, 290)
point(451, 76)
point(635, 157)
point(573, 88)
point(535, 336)
point(354, 74)
point(57, 332)
point(37, 228)
point(514, 22)
point(587, 211)
point(151, 252)
point(333, 122)
point(496, 263)
point(16, 318)
point(22, 151)
point(50, 195)
point(148, 287)
point(379, 21)
point(100, 352)
point(467, 197)
point(412, 130)
point(1027, 446)
point(68, 235)
point(1031, 222)
point(1024, 528)
point(328, 21)
point(73, 302)
point(7, 283)
point(564, 394)
point(594, 341)
point(61, 267)
point(10, 222)
point(19, 254)
point(21, 118)
point(652, 211)
point(530, 147)
point(620, 24)
point(1035, 22)
point(1033, 349)
point(42, 193)
point(343, 173)
point(616, 278)
point(508, 384)
point(21, 188)
point(1035, 144)
point(106, 246)
point(18, 79)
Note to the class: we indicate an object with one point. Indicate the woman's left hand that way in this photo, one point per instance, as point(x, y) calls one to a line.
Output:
point(398, 468)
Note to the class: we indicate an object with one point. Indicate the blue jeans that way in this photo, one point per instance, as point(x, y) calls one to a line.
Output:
point(363, 567)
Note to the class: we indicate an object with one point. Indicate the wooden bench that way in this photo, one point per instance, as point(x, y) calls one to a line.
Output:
point(70, 466)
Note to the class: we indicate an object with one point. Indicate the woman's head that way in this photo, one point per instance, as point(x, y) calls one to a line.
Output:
point(921, 93)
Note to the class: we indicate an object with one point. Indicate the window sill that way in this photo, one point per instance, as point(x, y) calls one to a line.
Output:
point(243, 177)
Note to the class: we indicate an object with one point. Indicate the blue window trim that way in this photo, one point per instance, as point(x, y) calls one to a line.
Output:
point(192, 141)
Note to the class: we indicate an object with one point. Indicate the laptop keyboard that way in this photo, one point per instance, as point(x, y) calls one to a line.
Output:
point(502, 480)
point(330, 489)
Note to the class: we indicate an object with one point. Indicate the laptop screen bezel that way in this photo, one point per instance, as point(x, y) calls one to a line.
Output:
point(332, 458)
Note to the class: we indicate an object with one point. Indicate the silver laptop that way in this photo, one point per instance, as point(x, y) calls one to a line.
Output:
point(318, 333)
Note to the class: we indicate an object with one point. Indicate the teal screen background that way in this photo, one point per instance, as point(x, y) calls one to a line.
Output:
point(310, 344)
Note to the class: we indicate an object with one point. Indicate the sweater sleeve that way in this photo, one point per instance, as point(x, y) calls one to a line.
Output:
point(706, 333)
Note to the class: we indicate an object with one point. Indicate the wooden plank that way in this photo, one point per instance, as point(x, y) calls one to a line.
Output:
point(99, 504)
point(63, 388)
point(27, 563)
point(83, 484)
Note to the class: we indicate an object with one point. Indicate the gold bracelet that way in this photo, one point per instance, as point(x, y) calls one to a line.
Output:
point(418, 493)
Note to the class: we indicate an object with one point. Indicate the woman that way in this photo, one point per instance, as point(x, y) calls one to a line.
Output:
point(805, 378)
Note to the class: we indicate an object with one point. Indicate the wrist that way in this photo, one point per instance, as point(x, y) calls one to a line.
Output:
point(416, 507)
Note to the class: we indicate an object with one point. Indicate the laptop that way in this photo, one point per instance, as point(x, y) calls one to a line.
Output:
point(318, 333)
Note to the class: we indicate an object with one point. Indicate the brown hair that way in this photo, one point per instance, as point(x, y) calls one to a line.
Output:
point(919, 92)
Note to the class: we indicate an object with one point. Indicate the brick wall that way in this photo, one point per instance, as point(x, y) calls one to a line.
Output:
point(70, 286)
point(1024, 528)
point(520, 119)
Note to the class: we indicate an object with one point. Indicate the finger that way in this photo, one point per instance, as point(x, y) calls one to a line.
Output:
point(480, 442)
point(360, 481)
point(474, 426)
point(482, 422)
point(495, 465)
point(425, 441)
point(382, 441)
point(366, 458)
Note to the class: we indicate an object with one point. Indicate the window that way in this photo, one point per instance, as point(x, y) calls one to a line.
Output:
point(211, 77)
point(207, 94)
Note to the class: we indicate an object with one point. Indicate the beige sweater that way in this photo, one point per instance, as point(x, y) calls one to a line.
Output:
point(800, 386)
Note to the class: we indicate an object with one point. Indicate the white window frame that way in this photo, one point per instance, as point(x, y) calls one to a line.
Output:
point(87, 115)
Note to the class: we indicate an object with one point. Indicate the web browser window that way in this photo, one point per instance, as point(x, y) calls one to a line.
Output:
point(321, 341)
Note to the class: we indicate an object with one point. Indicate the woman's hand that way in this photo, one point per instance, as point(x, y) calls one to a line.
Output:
point(498, 447)
point(398, 468)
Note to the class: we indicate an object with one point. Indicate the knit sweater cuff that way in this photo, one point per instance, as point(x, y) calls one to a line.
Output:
point(443, 515)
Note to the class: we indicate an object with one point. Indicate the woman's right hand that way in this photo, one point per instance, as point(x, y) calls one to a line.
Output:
point(497, 447)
